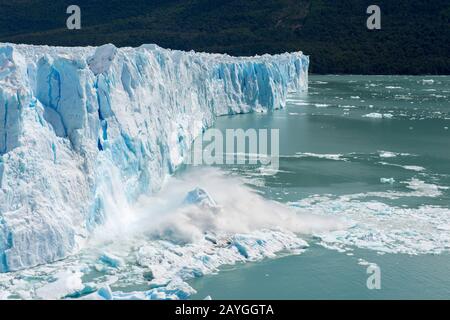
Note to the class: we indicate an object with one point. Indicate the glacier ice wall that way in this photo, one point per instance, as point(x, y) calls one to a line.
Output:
point(85, 131)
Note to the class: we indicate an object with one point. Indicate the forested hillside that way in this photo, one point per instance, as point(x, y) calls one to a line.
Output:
point(414, 39)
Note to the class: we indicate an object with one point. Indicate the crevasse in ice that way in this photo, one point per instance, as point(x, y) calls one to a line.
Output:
point(85, 131)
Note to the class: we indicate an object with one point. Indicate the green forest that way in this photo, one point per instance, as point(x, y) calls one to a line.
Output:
point(414, 36)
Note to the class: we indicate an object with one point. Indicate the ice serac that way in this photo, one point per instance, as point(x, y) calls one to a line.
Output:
point(85, 131)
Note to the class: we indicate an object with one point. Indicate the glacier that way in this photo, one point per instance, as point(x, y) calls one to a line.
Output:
point(85, 131)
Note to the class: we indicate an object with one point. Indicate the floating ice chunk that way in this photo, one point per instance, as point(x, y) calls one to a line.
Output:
point(254, 247)
point(376, 115)
point(428, 189)
point(4, 295)
point(200, 197)
point(406, 167)
point(129, 296)
point(365, 263)
point(336, 157)
point(111, 260)
point(104, 293)
point(211, 238)
point(444, 227)
point(177, 289)
point(387, 154)
point(390, 154)
point(299, 103)
point(420, 189)
point(387, 180)
point(414, 168)
point(66, 282)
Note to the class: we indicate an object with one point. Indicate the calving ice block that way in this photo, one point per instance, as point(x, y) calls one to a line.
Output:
point(85, 131)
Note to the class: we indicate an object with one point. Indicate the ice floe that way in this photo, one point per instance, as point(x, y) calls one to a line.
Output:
point(381, 227)
point(335, 157)
point(376, 115)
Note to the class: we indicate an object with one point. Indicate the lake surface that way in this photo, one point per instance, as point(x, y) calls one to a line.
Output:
point(363, 185)
point(374, 151)
point(320, 273)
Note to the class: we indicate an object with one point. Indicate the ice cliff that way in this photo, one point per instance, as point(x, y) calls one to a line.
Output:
point(85, 131)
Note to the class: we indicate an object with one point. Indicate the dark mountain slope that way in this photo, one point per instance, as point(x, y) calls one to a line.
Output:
point(414, 39)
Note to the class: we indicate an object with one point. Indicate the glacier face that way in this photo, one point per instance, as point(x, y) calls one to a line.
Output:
point(85, 131)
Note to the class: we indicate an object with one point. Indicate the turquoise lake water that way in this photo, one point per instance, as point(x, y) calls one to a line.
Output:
point(320, 273)
point(363, 184)
point(372, 150)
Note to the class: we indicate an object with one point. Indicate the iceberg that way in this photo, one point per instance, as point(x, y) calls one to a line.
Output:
point(85, 131)
point(200, 197)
